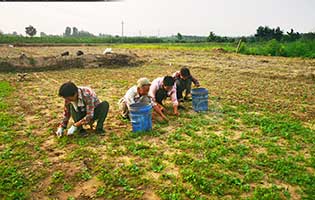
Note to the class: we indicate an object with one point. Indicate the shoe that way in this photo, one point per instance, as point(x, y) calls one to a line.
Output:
point(100, 132)
point(83, 133)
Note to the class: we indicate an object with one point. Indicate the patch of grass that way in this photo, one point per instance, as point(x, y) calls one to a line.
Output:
point(6, 120)
point(279, 125)
point(157, 165)
point(141, 149)
point(85, 174)
point(273, 192)
point(119, 182)
point(12, 183)
point(58, 177)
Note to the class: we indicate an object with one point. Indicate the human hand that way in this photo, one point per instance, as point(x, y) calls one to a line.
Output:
point(72, 129)
point(59, 131)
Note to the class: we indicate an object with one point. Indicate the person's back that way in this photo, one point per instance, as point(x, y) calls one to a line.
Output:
point(160, 89)
point(135, 94)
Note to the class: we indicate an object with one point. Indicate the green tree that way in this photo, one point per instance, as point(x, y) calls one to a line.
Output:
point(179, 37)
point(85, 34)
point(75, 32)
point(42, 34)
point(30, 30)
point(211, 37)
point(67, 32)
point(292, 36)
point(266, 33)
point(278, 34)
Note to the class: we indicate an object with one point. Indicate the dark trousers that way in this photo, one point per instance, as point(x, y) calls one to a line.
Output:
point(181, 86)
point(100, 114)
point(160, 95)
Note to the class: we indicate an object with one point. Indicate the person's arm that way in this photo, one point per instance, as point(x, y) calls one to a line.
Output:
point(157, 109)
point(152, 92)
point(175, 102)
point(130, 97)
point(66, 116)
point(195, 81)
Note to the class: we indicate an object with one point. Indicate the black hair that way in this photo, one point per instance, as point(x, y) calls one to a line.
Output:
point(168, 81)
point(68, 89)
point(185, 72)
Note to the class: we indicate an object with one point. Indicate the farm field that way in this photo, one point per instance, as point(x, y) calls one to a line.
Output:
point(255, 142)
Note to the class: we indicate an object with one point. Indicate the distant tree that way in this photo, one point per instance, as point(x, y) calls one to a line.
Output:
point(14, 33)
point(266, 33)
point(75, 32)
point(179, 36)
point(104, 35)
point(83, 33)
point(308, 36)
point(67, 32)
point(278, 34)
point(1, 32)
point(30, 30)
point(42, 34)
point(263, 33)
point(211, 37)
point(292, 36)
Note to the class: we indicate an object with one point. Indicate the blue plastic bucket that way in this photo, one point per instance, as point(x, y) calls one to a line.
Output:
point(141, 117)
point(199, 99)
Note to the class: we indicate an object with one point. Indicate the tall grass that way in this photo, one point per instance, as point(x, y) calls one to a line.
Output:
point(300, 48)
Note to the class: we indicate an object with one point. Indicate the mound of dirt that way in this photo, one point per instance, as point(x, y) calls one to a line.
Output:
point(26, 63)
point(219, 50)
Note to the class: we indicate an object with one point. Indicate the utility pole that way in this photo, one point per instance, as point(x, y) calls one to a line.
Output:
point(122, 29)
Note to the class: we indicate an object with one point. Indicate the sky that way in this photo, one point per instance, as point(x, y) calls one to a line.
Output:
point(159, 17)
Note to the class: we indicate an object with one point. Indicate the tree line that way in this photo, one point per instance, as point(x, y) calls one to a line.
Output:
point(263, 33)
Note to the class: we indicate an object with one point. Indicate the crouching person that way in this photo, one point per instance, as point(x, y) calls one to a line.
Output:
point(183, 80)
point(160, 89)
point(82, 104)
point(136, 94)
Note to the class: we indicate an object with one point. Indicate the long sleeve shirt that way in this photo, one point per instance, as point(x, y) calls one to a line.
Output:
point(87, 101)
point(156, 85)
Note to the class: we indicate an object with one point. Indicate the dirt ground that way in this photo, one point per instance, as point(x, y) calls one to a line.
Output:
point(273, 84)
